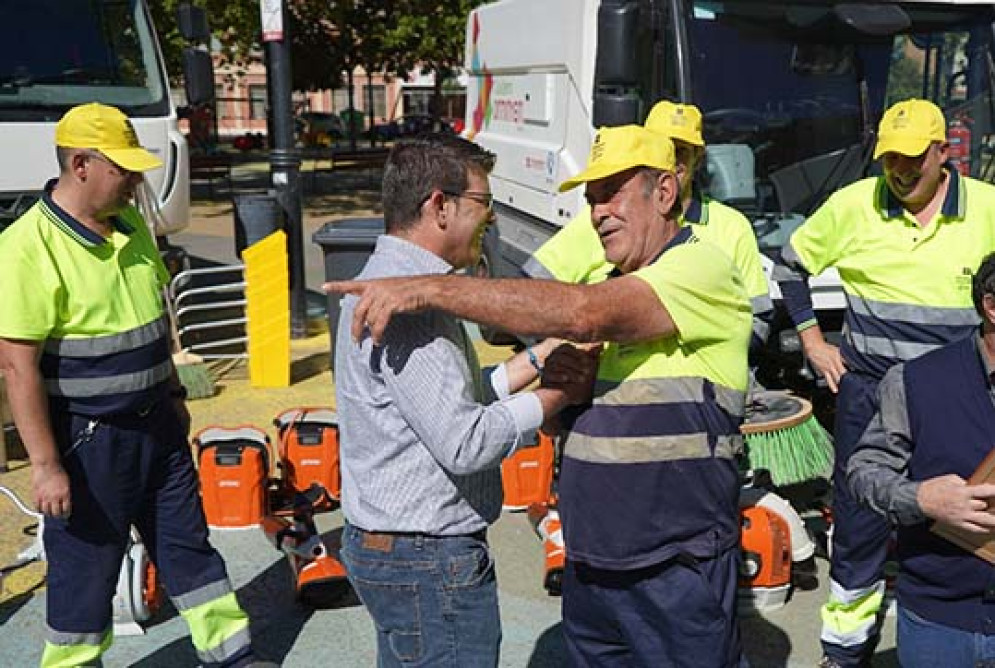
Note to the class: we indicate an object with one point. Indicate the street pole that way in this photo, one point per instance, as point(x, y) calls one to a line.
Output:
point(285, 163)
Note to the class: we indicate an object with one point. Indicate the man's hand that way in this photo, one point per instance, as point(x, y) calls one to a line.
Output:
point(573, 370)
point(826, 359)
point(50, 488)
point(381, 299)
point(950, 500)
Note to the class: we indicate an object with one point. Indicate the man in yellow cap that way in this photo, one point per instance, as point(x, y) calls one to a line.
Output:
point(905, 245)
point(649, 486)
point(574, 254)
point(85, 350)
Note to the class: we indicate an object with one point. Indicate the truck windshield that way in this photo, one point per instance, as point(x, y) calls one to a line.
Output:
point(803, 86)
point(55, 54)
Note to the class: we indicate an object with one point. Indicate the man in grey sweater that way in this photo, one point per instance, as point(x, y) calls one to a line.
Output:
point(423, 430)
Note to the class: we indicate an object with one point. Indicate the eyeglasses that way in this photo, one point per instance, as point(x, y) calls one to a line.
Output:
point(486, 199)
point(96, 155)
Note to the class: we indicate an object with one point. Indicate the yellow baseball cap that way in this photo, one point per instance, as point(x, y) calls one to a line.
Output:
point(908, 128)
point(620, 148)
point(108, 130)
point(677, 121)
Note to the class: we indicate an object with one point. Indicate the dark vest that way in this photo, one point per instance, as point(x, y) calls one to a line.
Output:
point(952, 423)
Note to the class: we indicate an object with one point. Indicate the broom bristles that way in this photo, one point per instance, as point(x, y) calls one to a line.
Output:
point(194, 375)
point(794, 454)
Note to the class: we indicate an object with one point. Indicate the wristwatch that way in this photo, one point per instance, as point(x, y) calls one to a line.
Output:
point(534, 360)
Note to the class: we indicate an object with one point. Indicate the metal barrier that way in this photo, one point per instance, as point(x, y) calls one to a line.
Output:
point(205, 314)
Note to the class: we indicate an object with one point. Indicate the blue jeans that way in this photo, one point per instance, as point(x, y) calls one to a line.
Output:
point(433, 600)
point(922, 643)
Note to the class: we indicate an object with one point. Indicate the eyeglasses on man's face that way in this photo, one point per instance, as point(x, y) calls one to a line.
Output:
point(118, 169)
point(485, 199)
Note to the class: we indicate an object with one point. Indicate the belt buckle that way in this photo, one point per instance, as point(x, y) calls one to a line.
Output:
point(378, 542)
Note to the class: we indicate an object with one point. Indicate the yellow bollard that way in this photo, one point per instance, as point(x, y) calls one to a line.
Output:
point(267, 296)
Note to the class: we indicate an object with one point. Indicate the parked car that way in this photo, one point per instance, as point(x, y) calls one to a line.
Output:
point(320, 128)
point(386, 131)
point(250, 141)
point(416, 124)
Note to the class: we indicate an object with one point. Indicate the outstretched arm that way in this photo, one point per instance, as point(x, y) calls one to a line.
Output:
point(624, 309)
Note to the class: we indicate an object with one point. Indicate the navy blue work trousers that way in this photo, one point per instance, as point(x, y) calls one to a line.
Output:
point(860, 536)
point(123, 471)
point(681, 612)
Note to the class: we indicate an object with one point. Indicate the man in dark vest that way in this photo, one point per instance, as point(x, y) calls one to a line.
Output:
point(934, 426)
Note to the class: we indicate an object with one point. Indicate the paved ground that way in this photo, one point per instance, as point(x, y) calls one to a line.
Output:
point(290, 633)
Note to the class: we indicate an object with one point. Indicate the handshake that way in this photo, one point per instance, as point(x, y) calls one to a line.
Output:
point(569, 368)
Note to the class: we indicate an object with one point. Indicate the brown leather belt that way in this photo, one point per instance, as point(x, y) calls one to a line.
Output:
point(383, 541)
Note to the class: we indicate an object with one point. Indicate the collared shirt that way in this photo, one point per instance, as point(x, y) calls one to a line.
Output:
point(420, 447)
point(877, 469)
point(575, 254)
point(94, 303)
point(908, 286)
point(59, 273)
point(648, 469)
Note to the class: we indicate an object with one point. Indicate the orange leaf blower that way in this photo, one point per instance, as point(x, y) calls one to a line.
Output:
point(545, 521)
point(233, 465)
point(318, 574)
point(309, 452)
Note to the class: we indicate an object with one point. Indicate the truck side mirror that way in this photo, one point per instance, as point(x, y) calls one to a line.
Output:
point(615, 108)
point(616, 73)
point(193, 23)
point(198, 75)
point(618, 26)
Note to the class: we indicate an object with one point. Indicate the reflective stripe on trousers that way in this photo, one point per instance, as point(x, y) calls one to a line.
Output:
point(133, 470)
point(68, 650)
point(860, 538)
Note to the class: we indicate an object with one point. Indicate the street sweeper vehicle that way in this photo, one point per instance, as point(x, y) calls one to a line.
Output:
point(791, 94)
point(55, 54)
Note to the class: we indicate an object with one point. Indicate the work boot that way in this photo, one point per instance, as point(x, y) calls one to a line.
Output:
point(805, 574)
point(829, 662)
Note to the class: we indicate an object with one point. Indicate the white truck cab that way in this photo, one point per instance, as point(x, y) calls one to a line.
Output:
point(55, 54)
point(791, 94)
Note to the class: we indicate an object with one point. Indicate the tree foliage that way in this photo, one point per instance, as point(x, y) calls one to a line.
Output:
point(431, 35)
point(234, 25)
point(329, 37)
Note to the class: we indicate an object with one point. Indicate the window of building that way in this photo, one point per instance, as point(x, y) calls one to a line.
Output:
point(221, 106)
point(375, 97)
point(340, 99)
point(416, 101)
point(257, 102)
